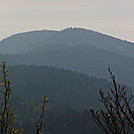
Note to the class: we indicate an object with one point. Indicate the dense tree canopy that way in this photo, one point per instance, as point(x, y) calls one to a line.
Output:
point(60, 85)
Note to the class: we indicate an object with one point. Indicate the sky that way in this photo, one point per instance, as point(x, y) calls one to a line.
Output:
point(111, 17)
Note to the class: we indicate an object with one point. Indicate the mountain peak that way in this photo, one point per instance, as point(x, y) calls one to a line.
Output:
point(23, 42)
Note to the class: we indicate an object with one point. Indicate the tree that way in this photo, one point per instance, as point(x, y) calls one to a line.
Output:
point(117, 117)
point(7, 115)
point(40, 123)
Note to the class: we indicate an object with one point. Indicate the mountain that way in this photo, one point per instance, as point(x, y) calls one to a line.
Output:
point(77, 49)
point(25, 42)
point(80, 50)
point(85, 59)
point(59, 85)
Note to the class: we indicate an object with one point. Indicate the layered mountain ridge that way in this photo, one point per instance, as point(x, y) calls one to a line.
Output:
point(25, 42)
point(77, 49)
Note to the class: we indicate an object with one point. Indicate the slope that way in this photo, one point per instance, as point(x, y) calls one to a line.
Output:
point(85, 59)
point(22, 42)
point(26, 42)
point(61, 86)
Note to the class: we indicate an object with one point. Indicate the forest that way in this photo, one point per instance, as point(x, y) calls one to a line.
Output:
point(59, 117)
point(63, 82)
point(66, 114)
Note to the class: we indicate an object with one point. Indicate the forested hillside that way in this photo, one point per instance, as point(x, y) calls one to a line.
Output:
point(77, 49)
point(66, 66)
point(83, 56)
point(64, 88)
point(59, 118)
point(65, 112)
point(85, 59)
point(60, 85)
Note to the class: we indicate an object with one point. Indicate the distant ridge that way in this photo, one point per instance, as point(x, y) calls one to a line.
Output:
point(21, 42)
point(25, 42)
point(77, 49)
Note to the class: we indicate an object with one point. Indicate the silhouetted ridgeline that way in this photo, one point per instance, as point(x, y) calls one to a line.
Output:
point(26, 42)
point(77, 49)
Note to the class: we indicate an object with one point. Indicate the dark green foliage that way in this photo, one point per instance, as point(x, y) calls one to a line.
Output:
point(7, 115)
point(59, 85)
point(59, 118)
point(70, 123)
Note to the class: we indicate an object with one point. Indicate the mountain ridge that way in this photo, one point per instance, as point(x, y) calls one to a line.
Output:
point(69, 36)
point(27, 32)
point(85, 59)
point(77, 49)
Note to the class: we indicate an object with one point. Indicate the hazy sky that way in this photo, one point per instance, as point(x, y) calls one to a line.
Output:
point(112, 17)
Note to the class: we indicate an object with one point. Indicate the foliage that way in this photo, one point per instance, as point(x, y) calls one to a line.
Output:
point(7, 115)
point(66, 122)
point(59, 85)
point(58, 118)
point(117, 117)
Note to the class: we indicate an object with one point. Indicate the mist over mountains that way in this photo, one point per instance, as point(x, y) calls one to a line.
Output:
point(77, 49)
point(25, 42)
point(22, 42)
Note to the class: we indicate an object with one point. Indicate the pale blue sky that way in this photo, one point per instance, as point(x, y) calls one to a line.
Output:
point(112, 17)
